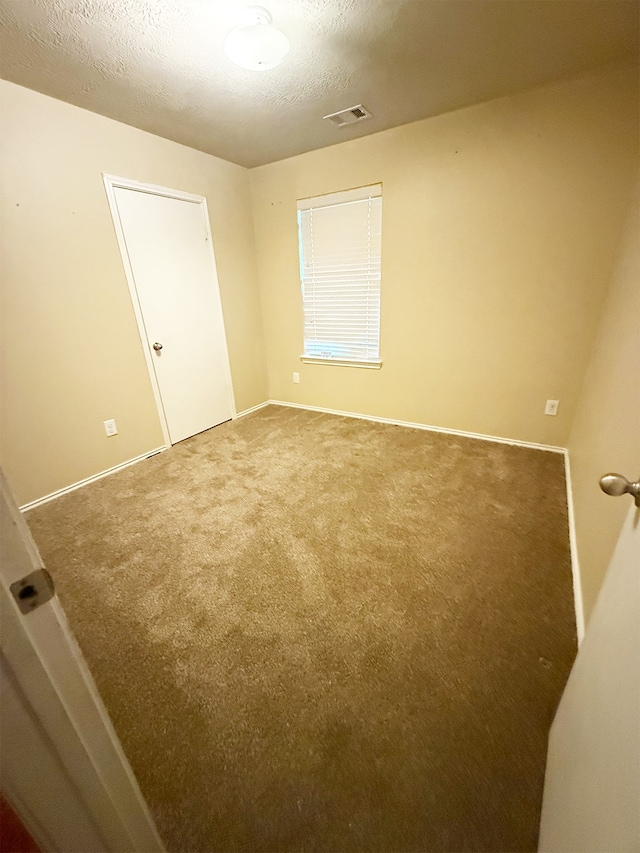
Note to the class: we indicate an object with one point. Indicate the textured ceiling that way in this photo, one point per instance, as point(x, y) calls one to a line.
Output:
point(159, 64)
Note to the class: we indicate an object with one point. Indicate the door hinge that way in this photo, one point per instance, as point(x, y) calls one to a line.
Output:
point(33, 590)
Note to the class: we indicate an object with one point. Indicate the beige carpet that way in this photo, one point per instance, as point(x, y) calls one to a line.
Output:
point(317, 633)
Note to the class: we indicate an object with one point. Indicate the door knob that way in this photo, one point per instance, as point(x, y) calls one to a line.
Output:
point(616, 484)
point(157, 347)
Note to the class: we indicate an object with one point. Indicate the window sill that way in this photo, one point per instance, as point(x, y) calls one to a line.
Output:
point(341, 362)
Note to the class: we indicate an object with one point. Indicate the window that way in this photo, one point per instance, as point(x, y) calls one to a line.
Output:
point(340, 237)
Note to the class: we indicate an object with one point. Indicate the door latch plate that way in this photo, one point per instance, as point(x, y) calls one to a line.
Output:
point(33, 590)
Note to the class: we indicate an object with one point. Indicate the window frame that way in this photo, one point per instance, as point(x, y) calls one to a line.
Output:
point(362, 193)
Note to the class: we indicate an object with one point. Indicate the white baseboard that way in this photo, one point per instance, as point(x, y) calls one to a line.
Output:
point(252, 409)
point(53, 495)
point(573, 542)
point(575, 567)
point(548, 447)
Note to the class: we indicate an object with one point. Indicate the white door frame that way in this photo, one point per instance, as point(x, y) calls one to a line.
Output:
point(111, 183)
point(66, 713)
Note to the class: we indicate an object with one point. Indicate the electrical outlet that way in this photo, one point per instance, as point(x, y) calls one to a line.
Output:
point(552, 407)
point(110, 427)
point(296, 378)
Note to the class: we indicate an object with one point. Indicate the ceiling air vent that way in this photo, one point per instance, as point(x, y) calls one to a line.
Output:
point(350, 116)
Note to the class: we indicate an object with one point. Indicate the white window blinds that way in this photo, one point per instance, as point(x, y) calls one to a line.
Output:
point(340, 237)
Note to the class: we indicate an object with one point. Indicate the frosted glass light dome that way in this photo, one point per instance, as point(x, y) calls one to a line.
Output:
point(255, 44)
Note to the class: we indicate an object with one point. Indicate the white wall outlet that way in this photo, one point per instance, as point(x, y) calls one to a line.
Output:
point(296, 378)
point(552, 407)
point(110, 427)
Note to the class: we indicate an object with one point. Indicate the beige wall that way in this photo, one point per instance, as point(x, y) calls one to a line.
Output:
point(606, 432)
point(72, 355)
point(500, 227)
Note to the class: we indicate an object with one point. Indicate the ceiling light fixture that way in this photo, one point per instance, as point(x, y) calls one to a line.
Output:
point(255, 44)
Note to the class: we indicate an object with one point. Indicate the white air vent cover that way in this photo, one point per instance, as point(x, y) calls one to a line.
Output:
point(350, 116)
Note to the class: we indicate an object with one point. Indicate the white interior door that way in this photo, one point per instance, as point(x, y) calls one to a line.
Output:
point(63, 769)
point(167, 252)
point(592, 783)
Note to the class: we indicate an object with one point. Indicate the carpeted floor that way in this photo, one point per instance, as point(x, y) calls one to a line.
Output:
point(316, 633)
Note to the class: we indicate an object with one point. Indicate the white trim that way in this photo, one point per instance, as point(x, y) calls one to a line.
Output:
point(114, 181)
point(111, 183)
point(341, 362)
point(87, 480)
point(340, 197)
point(500, 440)
point(218, 297)
point(252, 409)
point(573, 543)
